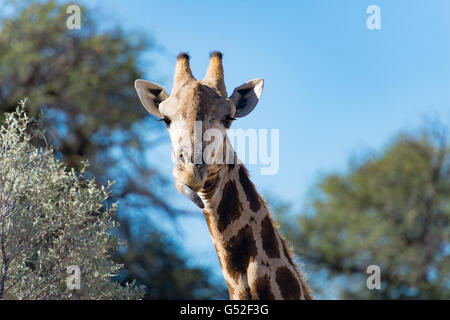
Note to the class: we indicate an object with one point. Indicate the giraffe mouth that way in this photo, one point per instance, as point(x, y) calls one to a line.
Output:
point(191, 195)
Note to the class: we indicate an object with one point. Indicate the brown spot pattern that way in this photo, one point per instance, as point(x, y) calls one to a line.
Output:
point(269, 238)
point(288, 284)
point(208, 220)
point(229, 208)
point(241, 249)
point(287, 253)
point(209, 186)
point(249, 189)
point(245, 295)
point(261, 289)
point(230, 289)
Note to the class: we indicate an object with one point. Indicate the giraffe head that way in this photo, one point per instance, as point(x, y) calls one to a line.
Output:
point(198, 113)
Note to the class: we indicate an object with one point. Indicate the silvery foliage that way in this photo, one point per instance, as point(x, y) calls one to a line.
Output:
point(52, 218)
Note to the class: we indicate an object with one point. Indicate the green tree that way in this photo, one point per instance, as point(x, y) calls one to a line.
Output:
point(83, 82)
point(390, 209)
point(51, 219)
point(168, 277)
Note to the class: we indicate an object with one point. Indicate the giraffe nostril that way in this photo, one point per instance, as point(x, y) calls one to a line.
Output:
point(200, 166)
point(181, 158)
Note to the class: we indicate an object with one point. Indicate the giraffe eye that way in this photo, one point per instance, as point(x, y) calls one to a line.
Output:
point(166, 121)
point(227, 121)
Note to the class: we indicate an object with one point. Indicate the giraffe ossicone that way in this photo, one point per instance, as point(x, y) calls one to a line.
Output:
point(256, 261)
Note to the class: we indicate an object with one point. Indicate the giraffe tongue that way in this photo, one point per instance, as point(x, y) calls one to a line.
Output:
point(188, 192)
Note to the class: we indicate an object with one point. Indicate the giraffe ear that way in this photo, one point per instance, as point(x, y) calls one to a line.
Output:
point(246, 96)
point(151, 95)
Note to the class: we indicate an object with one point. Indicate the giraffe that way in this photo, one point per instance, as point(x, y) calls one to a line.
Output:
point(256, 261)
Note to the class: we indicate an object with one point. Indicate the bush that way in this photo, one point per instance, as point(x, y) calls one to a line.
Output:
point(390, 209)
point(50, 219)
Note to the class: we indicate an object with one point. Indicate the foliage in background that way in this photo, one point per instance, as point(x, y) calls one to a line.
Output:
point(168, 277)
point(50, 219)
point(390, 210)
point(83, 82)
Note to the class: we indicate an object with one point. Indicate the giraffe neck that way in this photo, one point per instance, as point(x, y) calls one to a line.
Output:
point(255, 260)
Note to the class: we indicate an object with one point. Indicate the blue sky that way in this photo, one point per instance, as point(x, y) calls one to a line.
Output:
point(334, 88)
